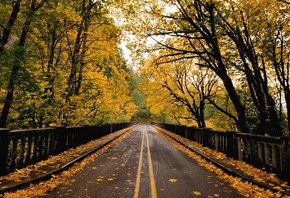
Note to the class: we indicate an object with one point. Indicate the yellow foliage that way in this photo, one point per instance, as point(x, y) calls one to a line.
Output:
point(55, 56)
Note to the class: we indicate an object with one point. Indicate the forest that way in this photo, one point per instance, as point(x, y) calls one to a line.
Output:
point(220, 64)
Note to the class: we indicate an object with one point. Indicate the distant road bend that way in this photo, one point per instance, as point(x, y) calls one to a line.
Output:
point(144, 164)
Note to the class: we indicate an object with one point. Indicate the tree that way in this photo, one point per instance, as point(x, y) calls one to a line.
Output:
point(188, 85)
point(19, 54)
point(276, 49)
point(72, 72)
point(228, 39)
point(241, 31)
point(139, 98)
point(196, 33)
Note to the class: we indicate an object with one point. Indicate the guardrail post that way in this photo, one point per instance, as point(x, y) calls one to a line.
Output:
point(232, 145)
point(85, 135)
point(285, 157)
point(205, 137)
point(3, 150)
point(186, 133)
point(61, 135)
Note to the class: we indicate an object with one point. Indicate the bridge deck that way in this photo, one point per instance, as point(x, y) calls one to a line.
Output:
point(144, 164)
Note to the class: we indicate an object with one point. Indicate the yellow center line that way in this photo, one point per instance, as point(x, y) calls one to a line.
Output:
point(137, 186)
point(151, 172)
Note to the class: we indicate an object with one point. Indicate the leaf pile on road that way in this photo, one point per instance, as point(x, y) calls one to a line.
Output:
point(42, 188)
point(246, 189)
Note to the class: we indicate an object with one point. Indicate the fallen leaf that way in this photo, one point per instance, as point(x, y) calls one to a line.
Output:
point(196, 193)
point(172, 180)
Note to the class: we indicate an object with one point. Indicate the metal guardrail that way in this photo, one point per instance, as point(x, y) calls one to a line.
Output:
point(20, 148)
point(271, 153)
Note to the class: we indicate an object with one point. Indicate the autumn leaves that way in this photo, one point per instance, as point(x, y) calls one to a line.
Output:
point(55, 162)
point(238, 50)
point(65, 68)
point(245, 188)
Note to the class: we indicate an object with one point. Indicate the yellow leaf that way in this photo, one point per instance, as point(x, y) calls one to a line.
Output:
point(196, 193)
point(172, 180)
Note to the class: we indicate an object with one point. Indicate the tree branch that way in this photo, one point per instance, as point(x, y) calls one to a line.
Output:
point(2, 26)
point(222, 110)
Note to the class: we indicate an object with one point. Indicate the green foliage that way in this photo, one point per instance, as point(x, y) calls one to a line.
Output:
point(139, 98)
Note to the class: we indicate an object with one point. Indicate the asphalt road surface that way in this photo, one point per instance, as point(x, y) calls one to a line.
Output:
point(144, 164)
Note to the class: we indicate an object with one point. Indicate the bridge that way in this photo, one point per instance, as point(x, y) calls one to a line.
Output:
point(141, 160)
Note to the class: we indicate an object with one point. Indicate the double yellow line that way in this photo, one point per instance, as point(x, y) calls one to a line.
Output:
point(137, 186)
point(150, 165)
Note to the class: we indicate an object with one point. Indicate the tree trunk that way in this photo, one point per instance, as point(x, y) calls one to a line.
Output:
point(287, 98)
point(10, 23)
point(241, 121)
point(17, 63)
point(257, 81)
point(72, 81)
point(9, 94)
point(79, 52)
point(87, 18)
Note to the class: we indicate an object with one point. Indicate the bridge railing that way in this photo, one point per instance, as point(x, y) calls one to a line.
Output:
point(20, 148)
point(271, 153)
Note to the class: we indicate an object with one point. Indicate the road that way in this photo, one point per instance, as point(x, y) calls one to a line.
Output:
point(144, 164)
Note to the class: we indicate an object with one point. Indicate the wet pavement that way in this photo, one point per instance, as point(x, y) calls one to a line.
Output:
point(144, 164)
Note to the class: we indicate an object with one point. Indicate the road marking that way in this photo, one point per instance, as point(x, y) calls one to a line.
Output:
point(151, 172)
point(137, 186)
point(150, 165)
